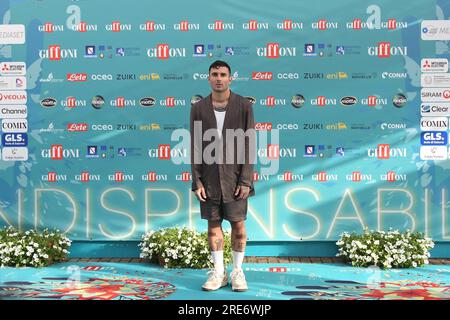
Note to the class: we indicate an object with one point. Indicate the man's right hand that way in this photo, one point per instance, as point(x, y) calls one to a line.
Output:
point(200, 193)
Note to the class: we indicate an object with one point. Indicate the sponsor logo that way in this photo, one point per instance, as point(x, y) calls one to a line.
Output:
point(394, 75)
point(434, 124)
point(13, 97)
point(399, 100)
point(98, 102)
point(385, 50)
point(384, 152)
point(14, 154)
point(348, 101)
point(14, 140)
point(84, 27)
point(219, 25)
point(433, 153)
point(55, 53)
point(77, 127)
point(298, 101)
point(14, 125)
point(435, 109)
point(164, 52)
point(77, 77)
point(151, 26)
point(274, 51)
point(12, 33)
point(117, 26)
point(57, 152)
point(395, 126)
point(262, 75)
point(13, 112)
point(434, 138)
point(254, 25)
point(147, 102)
point(435, 30)
point(48, 102)
point(13, 68)
point(434, 65)
point(435, 94)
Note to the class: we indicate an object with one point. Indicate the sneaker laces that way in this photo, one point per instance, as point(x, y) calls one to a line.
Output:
point(213, 274)
point(238, 275)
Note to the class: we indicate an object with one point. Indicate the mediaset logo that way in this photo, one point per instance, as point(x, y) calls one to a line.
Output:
point(55, 53)
point(151, 26)
point(385, 50)
point(274, 51)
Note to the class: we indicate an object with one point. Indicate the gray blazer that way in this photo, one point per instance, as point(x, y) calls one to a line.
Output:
point(222, 179)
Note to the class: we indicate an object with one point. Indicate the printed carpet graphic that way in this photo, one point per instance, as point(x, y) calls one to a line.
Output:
point(267, 281)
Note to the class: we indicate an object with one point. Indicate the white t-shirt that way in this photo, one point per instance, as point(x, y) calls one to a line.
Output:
point(220, 117)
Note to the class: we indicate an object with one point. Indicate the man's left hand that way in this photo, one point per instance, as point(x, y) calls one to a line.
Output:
point(242, 192)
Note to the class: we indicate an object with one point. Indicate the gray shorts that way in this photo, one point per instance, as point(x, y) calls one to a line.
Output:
point(214, 210)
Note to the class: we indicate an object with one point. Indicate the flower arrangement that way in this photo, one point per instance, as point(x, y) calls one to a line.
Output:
point(31, 249)
point(391, 249)
point(178, 247)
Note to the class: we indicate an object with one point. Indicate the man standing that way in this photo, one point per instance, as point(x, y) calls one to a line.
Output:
point(223, 186)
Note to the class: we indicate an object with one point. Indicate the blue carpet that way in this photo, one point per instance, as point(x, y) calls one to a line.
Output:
point(141, 281)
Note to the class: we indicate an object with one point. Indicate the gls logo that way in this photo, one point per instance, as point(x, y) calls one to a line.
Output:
point(434, 138)
point(164, 52)
point(14, 140)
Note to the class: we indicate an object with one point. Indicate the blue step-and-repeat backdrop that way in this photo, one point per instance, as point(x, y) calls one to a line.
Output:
point(350, 101)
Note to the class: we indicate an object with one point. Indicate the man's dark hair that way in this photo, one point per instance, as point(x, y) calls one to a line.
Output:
point(217, 64)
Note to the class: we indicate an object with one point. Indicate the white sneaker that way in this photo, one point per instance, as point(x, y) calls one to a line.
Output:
point(215, 280)
point(238, 282)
